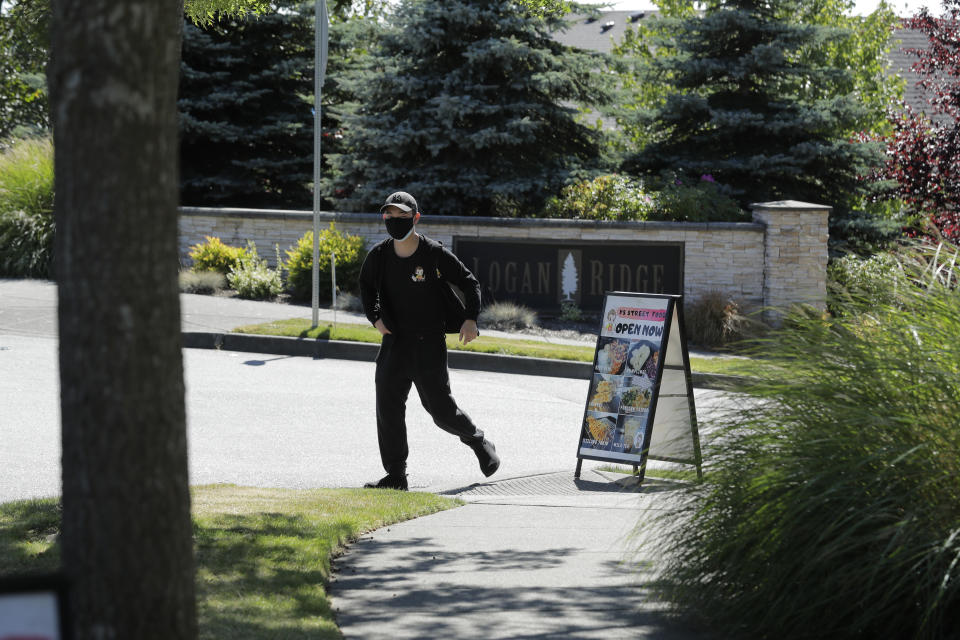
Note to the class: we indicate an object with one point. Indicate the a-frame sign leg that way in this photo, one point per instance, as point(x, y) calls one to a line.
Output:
point(576, 474)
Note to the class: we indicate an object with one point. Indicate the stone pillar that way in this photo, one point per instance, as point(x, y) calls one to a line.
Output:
point(795, 255)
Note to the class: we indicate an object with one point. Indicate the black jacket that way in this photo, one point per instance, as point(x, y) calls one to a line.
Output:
point(449, 270)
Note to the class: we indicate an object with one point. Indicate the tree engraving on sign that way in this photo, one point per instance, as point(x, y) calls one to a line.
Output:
point(569, 278)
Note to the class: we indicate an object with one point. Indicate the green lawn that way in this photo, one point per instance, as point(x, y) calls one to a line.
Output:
point(300, 328)
point(263, 555)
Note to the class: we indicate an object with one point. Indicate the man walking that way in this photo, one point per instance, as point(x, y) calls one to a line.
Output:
point(406, 296)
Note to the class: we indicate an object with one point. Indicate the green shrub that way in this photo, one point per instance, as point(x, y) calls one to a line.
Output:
point(252, 279)
point(570, 312)
point(830, 506)
point(507, 316)
point(214, 255)
point(202, 282)
point(700, 199)
point(347, 250)
point(26, 209)
point(608, 197)
point(874, 279)
point(669, 197)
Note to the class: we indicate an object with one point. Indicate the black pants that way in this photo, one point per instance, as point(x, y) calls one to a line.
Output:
point(420, 360)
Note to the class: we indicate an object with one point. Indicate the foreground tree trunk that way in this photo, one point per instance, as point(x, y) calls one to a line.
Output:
point(127, 544)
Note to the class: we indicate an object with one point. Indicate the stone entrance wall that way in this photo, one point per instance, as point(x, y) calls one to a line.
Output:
point(778, 259)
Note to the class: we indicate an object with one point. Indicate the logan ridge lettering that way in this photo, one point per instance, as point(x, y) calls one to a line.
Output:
point(622, 277)
point(515, 277)
point(546, 275)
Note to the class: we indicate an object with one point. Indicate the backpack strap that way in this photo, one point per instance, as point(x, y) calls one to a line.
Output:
point(454, 309)
point(379, 248)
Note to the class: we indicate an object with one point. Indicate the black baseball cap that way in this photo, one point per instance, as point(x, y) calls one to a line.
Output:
point(401, 200)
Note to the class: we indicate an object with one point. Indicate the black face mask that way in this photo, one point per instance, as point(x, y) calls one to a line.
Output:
point(399, 228)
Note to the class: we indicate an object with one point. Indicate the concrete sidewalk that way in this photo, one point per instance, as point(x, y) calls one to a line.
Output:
point(534, 558)
point(29, 308)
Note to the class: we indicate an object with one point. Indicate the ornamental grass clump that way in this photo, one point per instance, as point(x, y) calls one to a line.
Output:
point(718, 321)
point(830, 506)
point(203, 282)
point(26, 209)
point(507, 316)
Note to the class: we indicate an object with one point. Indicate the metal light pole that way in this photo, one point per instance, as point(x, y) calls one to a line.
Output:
point(321, 29)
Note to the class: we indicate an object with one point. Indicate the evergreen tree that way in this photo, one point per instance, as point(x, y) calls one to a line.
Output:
point(741, 108)
point(351, 39)
point(246, 102)
point(863, 51)
point(246, 121)
point(466, 105)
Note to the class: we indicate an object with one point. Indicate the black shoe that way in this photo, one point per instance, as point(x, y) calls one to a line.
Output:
point(487, 457)
point(389, 481)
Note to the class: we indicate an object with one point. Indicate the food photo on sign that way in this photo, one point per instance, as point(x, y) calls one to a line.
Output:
point(635, 394)
point(611, 355)
point(599, 430)
point(617, 442)
point(642, 358)
point(632, 428)
point(603, 393)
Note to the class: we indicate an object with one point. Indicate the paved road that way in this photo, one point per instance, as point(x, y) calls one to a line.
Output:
point(265, 420)
point(294, 422)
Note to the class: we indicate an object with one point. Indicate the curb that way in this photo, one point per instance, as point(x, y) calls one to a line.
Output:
point(282, 346)
point(367, 352)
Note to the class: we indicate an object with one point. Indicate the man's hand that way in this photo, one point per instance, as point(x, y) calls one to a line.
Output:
point(382, 328)
point(468, 331)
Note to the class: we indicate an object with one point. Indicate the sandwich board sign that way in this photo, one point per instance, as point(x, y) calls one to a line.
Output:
point(640, 403)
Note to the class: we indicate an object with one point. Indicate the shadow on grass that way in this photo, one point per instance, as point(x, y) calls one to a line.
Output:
point(322, 335)
point(265, 575)
point(25, 526)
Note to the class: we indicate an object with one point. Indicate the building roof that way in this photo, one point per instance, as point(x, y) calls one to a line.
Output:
point(900, 63)
point(603, 30)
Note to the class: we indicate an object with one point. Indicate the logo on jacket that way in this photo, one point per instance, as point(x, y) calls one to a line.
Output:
point(418, 275)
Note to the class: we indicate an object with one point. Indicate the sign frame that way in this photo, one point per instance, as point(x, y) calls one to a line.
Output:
point(673, 329)
point(50, 585)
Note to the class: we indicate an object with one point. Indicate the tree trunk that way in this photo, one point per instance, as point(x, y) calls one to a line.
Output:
point(127, 537)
